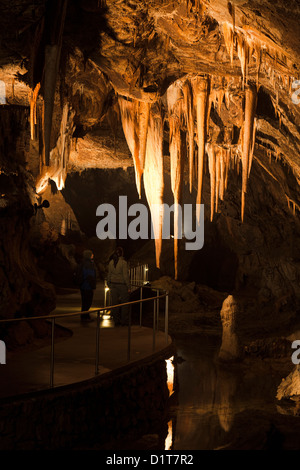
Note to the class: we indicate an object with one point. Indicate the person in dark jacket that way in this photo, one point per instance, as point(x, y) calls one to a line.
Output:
point(87, 283)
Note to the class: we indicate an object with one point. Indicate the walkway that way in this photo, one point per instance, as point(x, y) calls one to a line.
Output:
point(75, 356)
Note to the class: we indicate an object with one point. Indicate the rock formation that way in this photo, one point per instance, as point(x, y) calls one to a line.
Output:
point(290, 386)
point(231, 348)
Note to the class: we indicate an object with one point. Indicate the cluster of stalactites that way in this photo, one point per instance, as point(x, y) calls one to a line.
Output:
point(198, 99)
point(243, 44)
point(249, 45)
point(135, 117)
point(59, 155)
point(55, 167)
point(219, 163)
point(143, 129)
point(189, 103)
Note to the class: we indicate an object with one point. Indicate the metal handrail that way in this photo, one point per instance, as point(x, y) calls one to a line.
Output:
point(98, 311)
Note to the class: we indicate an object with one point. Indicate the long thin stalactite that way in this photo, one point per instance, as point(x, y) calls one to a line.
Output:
point(176, 117)
point(248, 139)
point(201, 89)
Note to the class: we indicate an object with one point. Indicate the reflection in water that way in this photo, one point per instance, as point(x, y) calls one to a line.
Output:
point(169, 438)
point(216, 401)
point(170, 374)
point(219, 406)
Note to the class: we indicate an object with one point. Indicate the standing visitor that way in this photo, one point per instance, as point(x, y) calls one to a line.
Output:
point(119, 284)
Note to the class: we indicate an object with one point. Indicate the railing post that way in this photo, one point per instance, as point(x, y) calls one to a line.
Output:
point(97, 344)
point(157, 308)
point(52, 353)
point(141, 305)
point(167, 316)
point(129, 335)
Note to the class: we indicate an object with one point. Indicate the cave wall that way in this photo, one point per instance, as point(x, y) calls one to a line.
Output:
point(23, 289)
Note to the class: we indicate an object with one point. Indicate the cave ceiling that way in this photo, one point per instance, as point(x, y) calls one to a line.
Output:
point(155, 85)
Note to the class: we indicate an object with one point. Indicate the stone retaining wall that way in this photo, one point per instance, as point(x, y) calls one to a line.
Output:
point(128, 402)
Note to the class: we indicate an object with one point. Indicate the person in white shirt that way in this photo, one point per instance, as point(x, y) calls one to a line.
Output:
point(119, 284)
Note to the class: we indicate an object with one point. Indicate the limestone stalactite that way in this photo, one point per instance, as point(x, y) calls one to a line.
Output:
point(190, 124)
point(243, 53)
point(33, 109)
point(201, 89)
point(212, 172)
point(153, 177)
point(135, 117)
point(175, 110)
point(248, 139)
point(222, 173)
point(143, 120)
point(229, 39)
point(218, 178)
point(129, 118)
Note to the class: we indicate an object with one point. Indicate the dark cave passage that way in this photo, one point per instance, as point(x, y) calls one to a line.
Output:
point(215, 266)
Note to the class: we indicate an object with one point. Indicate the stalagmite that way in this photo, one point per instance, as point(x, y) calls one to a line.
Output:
point(248, 139)
point(201, 89)
point(175, 110)
point(231, 347)
point(154, 176)
point(190, 119)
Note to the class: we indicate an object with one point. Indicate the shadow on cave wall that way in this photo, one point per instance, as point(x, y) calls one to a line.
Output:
point(214, 266)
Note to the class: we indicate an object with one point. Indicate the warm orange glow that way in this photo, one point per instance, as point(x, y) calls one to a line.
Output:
point(190, 119)
point(33, 101)
point(201, 89)
point(135, 117)
point(248, 140)
point(176, 116)
point(59, 156)
point(169, 438)
point(154, 176)
point(170, 374)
